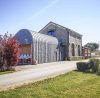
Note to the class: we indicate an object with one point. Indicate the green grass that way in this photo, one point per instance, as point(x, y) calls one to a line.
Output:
point(6, 72)
point(71, 85)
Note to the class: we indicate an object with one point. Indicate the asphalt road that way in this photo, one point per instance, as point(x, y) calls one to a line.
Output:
point(33, 73)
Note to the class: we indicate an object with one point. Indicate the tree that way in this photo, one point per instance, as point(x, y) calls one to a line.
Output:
point(11, 51)
point(92, 46)
point(1, 53)
point(1, 56)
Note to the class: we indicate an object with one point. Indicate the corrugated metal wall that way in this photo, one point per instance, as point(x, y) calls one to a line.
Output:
point(44, 47)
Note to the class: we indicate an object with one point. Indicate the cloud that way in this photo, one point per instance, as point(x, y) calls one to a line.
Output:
point(43, 10)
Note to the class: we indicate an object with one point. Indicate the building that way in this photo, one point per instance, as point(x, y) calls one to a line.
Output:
point(37, 48)
point(70, 42)
point(86, 52)
point(52, 43)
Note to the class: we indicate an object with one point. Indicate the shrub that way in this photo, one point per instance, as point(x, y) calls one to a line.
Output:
point(94, 64)
point(94, 67)
point(1, 60)
point(95, 61)
point(10, 52)
point(83, 66)
point(76, 58)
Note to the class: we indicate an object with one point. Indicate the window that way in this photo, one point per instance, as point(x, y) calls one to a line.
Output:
point(78, 50)
point(51, 33)
point(73, 49)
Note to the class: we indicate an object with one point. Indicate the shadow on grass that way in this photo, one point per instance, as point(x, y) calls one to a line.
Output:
point(7, 72)
point(87, 72)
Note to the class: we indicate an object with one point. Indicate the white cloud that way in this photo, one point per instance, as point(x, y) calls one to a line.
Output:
point(43, 10)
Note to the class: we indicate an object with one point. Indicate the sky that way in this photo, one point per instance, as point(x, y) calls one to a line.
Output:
point(82, 16)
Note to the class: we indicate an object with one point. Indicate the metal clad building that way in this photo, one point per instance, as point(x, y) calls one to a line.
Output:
point(36, 47)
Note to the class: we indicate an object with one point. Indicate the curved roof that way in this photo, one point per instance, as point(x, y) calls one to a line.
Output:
point(25, 36)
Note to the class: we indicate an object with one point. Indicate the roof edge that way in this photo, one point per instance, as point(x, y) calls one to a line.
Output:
point(60, 26)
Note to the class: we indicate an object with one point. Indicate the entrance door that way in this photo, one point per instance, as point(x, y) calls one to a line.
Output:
point(63, 53)
point(73, 49)
point(25, 55)
point(56, 56)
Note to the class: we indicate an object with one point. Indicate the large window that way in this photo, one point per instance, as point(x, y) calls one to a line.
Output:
point(51, 33)
point(73, 49)
point(78, 50)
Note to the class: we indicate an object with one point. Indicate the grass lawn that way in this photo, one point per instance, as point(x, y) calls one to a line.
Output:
point(6, 72)
point(71, 85)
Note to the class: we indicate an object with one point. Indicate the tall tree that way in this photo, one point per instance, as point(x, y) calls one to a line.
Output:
point(92, 46)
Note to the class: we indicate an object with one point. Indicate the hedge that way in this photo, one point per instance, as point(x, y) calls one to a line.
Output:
point(92, 65)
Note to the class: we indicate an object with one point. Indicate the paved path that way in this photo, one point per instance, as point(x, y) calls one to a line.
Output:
point(35, 73)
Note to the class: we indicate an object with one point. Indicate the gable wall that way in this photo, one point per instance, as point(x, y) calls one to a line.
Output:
point(60, 33)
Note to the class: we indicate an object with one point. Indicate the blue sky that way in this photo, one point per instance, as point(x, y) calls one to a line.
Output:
point(82, 16)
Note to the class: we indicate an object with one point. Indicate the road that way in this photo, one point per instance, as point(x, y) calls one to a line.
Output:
point(35, 73)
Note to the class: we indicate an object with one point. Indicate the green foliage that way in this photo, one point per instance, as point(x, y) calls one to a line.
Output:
point(76, 58)
point(97, 52)
point(92, 46)
point(92, 65)
point(94, 61)
point(95, 64)
point(82, 66)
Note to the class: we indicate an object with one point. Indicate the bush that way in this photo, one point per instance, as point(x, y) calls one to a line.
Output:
point(95, 68)
point(9, 54)
point(82, 66)
point(92, 65)
point(95, 61)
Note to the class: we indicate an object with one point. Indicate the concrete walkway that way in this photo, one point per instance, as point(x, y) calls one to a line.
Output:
point(33, 73)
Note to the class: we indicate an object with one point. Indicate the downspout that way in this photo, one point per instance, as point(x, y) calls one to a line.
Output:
point(81, 46)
